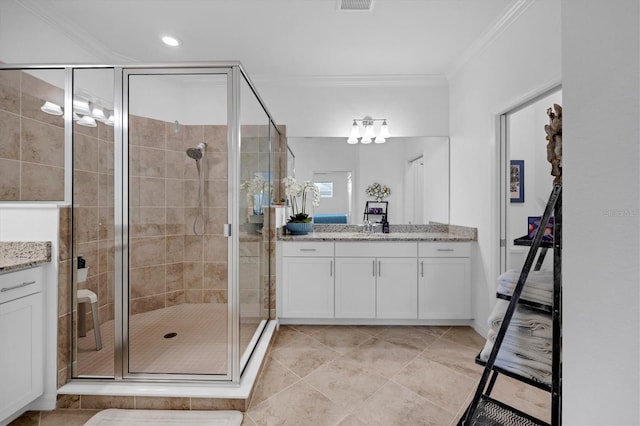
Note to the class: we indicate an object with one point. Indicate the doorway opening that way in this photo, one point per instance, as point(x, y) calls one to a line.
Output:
point(525, 180)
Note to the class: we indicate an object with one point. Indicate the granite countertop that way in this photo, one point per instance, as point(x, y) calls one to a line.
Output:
point(17, 255)
point(432, 232)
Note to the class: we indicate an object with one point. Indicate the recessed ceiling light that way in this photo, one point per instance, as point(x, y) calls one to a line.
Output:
point(170, 41)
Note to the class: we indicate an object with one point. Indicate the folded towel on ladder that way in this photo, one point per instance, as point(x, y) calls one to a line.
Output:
point(525, 321)
point(538, 287)
point(519, 364)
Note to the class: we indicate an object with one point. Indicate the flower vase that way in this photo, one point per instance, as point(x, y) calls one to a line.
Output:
point(254, 224)
point(300, 228)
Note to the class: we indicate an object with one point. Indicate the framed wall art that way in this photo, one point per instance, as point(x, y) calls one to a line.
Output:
point(516, 181)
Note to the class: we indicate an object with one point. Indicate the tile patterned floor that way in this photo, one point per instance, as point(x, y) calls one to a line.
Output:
point(362, 375)
point(370, 375)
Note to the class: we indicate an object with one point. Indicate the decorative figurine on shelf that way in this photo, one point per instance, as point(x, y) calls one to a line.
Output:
point(300, 223)
point(554, 146)
point(379, 192)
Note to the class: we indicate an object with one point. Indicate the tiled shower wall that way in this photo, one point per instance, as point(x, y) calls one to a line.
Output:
point(93, 212)
point(31, 141)
point(170, 263)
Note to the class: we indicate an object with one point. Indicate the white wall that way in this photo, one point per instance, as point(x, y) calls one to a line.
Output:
point(312, 109)
point(600, 65)
point(523, 61)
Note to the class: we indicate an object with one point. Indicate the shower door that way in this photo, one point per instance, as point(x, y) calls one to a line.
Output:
point(258, 187)
point(179, 310)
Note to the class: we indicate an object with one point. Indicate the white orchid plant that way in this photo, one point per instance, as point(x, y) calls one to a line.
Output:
point(258, 192)
point(293, 190)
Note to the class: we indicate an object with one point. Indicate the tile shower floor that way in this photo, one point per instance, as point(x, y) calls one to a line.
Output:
point(362, 375)
point(199, 346)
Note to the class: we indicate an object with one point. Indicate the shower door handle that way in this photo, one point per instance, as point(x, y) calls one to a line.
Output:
point(227, 229)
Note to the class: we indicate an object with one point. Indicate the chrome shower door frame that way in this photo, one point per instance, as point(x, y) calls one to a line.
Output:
point(122, 249)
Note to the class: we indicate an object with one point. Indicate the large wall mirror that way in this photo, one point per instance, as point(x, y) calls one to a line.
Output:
point(416, 170)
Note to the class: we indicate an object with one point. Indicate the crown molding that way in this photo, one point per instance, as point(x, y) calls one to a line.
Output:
point(353, 80)
point(504, 21)
point(80, 38)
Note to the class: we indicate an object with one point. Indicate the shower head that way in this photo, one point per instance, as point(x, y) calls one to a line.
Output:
point(197, 152)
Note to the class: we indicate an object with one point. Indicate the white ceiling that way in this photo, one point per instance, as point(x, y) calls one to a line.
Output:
point(278, 38)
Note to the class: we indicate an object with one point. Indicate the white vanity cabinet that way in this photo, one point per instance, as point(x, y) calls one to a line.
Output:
point(21, 339)
point(376, 280)
point(307, 280)
point(444, 280)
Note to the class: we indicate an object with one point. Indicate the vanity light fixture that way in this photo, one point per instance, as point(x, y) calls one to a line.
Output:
point(369, 132)
point(85, 112)
point(98, 113)
point(110, 121)
point(355, 133)
point(87, 121)
point(88, 109)
point(384, 133)
point(81, 105)
point(51, 108)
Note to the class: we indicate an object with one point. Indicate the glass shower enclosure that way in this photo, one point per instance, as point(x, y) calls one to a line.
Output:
point(194, 276)
point(169, 175)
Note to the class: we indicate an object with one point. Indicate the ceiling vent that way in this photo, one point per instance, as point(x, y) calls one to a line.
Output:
point(355, 5)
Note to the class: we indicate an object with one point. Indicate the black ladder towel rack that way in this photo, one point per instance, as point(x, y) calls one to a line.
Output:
point(485, 410)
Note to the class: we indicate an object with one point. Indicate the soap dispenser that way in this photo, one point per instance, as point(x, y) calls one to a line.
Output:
point(385, 225)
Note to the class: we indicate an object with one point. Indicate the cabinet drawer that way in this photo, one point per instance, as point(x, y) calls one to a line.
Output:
point(376, 249)
point(444, 249)
point(14, 285)
point(307, 249)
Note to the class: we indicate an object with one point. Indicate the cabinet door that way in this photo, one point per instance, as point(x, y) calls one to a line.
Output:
point(21, 356)
point(355, 287)
point(307, 285)
point(444, 288)
point(397, 288)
